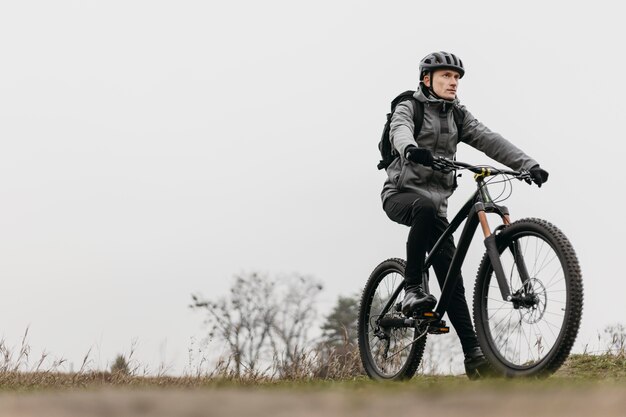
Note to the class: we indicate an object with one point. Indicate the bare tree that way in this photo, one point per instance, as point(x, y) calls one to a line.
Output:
point(296, 314)
point(242, 320)
point(263, 323)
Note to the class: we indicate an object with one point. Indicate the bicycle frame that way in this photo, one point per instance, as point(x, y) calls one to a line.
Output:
point(474, 210)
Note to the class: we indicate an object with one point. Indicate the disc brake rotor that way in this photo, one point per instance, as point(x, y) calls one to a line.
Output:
point(534, 313)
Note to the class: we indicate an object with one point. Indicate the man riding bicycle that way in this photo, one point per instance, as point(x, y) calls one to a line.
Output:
point(415, 195)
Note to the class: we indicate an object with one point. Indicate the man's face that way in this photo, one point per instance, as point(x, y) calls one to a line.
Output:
point(445, 83)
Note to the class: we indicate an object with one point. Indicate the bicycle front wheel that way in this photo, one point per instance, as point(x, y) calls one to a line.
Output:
point(532, 334)
point(387, 352)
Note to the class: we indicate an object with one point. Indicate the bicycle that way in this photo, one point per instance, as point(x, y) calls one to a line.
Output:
point(528, 294)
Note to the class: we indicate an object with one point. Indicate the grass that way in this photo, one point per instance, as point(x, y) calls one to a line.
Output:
point(595, 367)
point(340, 372)
point(582, 369)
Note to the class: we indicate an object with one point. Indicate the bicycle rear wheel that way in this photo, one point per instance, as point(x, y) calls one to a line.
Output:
point(533, 334)
point(387, 353)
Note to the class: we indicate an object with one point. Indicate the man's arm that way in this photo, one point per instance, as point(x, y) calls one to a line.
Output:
point(402, 127)
point(494, 145)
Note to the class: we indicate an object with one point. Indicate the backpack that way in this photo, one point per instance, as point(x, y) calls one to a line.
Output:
point(387, 152)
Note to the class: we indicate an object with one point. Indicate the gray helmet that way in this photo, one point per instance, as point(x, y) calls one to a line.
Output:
point(440, 60)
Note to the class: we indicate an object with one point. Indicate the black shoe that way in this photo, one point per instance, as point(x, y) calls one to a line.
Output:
point(476, 365)
point(415, 299)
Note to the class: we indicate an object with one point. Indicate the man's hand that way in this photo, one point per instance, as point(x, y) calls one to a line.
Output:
point(538, 174)
point(419, 155)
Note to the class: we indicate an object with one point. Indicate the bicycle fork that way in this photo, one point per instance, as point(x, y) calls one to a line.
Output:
point(494, 254)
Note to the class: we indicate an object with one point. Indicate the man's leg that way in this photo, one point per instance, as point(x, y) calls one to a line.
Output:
point(475, 363)
point(419, 213)
point(458, 311)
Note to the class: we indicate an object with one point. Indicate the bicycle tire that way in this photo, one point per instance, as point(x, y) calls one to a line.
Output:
point(548, 325)
point(406, 352)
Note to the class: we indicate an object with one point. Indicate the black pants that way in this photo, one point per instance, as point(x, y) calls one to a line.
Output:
point(420, 214)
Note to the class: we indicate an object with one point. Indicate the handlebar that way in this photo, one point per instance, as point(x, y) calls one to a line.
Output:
point(447, 165)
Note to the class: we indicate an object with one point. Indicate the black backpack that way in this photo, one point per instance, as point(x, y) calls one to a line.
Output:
point(387, 152)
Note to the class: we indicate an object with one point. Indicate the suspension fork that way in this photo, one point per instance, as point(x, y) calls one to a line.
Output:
point(518, 256)
point(494, 254)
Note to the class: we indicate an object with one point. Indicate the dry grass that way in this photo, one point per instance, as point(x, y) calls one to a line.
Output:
point(322, 366)
point(607, 366)
point(579, 368)
point(322, 363)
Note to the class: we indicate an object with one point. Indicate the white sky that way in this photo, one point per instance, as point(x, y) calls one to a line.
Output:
point(152, 149)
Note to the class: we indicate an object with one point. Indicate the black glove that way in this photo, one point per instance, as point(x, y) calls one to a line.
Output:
point(419, 155)
point(538, 174)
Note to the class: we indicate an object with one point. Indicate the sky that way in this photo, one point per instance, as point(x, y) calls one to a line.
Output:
point(154, 149)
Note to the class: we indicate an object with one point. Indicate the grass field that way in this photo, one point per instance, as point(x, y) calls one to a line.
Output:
point(586, 385)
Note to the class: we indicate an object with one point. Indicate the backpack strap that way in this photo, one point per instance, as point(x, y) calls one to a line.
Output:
point(459, 118)
point(418, 117)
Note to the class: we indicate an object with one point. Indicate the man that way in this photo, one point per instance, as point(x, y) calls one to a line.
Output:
point(417, 196)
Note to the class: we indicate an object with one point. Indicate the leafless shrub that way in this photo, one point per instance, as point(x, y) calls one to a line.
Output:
point(263, 322)
point(337, 362)
point(242, 320)
point(295, 315)
point(616, 339)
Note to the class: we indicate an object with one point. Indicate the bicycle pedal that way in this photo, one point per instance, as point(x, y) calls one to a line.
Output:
point(438, 329)
point(426, 315)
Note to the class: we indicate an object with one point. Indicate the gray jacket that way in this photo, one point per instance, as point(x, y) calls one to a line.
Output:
point(439, 134)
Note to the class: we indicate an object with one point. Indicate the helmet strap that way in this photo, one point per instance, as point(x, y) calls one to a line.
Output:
point(430, 88)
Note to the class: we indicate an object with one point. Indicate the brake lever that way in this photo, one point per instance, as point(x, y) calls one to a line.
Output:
point(443, 166)
point(525, 176)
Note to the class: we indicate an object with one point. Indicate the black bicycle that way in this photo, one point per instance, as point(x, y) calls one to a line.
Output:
point(528, 294)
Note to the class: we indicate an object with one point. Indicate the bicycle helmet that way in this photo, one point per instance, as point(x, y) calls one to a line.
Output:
point(440, 60)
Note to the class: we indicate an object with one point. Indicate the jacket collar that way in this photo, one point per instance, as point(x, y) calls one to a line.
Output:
point(434, 101)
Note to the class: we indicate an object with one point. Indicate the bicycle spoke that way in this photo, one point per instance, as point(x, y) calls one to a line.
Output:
point(500, 322)
point(499, 309)
point(553, 284)
point(547, 323)
point(508, 326)
point(549, 282)
point(543, 262)
point(527, 339)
